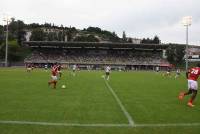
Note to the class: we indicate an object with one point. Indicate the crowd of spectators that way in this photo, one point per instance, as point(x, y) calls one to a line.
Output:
point(96, 57)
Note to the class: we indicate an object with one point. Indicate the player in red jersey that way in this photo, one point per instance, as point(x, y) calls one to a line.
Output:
point(54, 72)
point(59, 71)
point(192, 76)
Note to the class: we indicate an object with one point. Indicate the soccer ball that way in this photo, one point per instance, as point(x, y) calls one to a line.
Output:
point(63, 86)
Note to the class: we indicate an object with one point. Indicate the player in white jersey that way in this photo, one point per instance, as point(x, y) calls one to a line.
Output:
point(74, 69)
point(178, 72)
point(107, 70)
point(28, 68)
point(157, 69)
point(46, 67)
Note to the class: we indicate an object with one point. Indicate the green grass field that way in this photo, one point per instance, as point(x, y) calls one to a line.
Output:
point(88, 106)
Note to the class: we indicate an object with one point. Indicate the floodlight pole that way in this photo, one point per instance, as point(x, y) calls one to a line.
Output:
point(6, 19)
point(187, 21)
point(6, 53)
point(186, 61)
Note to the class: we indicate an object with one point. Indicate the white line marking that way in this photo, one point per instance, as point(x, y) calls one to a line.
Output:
point(63, 124)
point(99, 125)
point(168, 125)
point(130, 120)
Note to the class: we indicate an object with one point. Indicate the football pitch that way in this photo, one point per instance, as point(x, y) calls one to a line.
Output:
point(130, 102)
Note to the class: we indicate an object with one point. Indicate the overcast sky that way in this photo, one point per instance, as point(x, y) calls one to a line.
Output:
point(138, 18)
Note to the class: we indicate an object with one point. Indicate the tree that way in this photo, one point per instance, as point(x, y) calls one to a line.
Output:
point(16, 30)
point(13, 27)
point(50, 36)
point(124, 36)
point(92, 38)
point(70, 32)
point(156, 40)
point(20, 32)
point(180, 52)
point(1, 35)
point(47, 25)
point(170, 53)
point(15, 51)
point(113, 37)
point(89, 38)
point(61, 35)
point(33, 26)
point(94, 29)
point(130, 40)
point(146, 41)
point(175, 53)
point(37, 35)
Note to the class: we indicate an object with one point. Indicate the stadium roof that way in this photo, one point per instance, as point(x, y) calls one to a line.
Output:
point(60, 44)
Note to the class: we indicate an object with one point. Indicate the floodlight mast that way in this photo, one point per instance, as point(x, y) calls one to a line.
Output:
point(7, 20)
point(187, 21)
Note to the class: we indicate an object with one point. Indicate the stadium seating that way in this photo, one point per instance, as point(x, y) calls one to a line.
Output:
point(123, 57)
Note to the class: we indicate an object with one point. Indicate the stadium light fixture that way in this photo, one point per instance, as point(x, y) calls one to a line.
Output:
point(187, 21)
point(7, 20)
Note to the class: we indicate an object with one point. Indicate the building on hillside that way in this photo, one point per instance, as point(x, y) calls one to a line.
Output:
point(193, 50)
point(45, 30)
point(194, 53)
point(28, 35)
point(51, 30)
point(134, 40)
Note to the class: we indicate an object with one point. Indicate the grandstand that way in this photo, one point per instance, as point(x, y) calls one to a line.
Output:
point(118, 55)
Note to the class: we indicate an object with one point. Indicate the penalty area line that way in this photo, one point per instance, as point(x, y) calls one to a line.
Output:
point(128, 116)
point(99, 125)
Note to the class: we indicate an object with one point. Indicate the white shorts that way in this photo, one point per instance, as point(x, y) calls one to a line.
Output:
point(54, 78)
point(168, 72)
point(29, 69)
point(192, 84)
